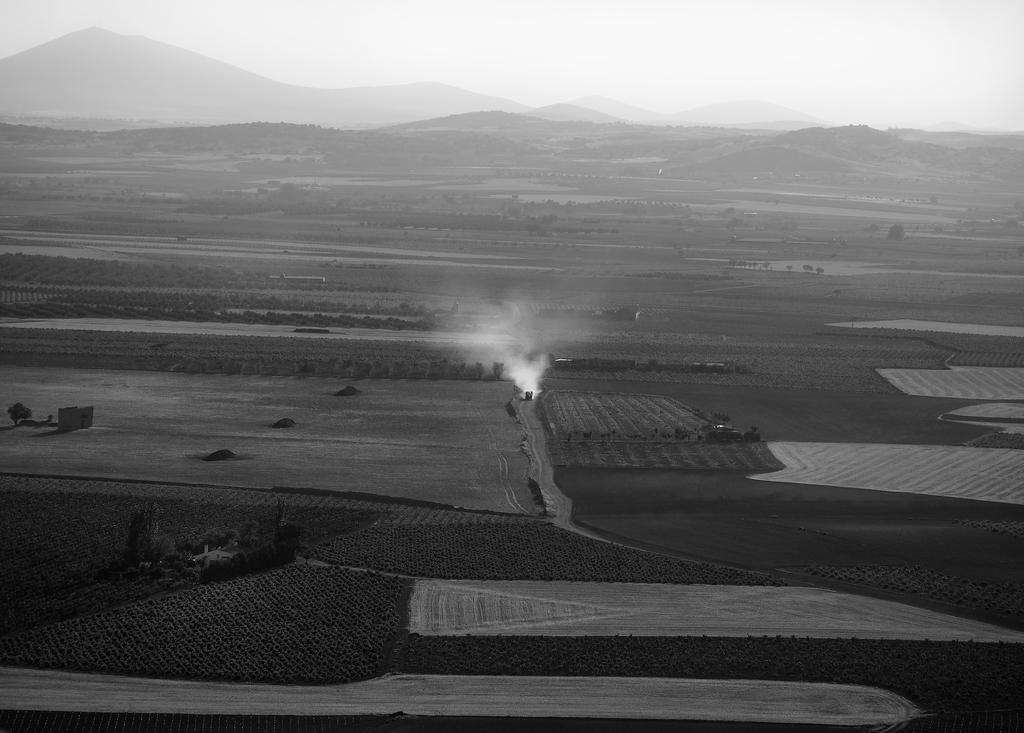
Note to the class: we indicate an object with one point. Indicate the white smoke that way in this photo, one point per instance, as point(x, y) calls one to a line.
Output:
point(526, 371)
point(512, 342)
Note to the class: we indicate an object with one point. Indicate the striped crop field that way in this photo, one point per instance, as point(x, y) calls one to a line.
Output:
point(539, 608)
point(907, 324)
point(628, 698)
point(991, 410)
point(991, 474)
point(969, 383)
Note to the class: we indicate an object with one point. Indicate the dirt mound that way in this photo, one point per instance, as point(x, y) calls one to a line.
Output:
point(284, 422)
point(347, 391)
point(220, 455)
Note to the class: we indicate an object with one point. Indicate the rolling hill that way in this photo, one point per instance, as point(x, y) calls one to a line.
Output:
point(95, 73)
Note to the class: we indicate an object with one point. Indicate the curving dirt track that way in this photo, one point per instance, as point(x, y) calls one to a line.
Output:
point(576, 697)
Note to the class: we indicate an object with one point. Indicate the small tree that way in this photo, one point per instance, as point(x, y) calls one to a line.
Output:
point(896, 232)
point(18, 412)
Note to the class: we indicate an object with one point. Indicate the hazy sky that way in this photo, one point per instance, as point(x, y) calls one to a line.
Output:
point(879, 62)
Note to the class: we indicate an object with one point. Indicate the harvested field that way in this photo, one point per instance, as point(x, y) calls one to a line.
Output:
point(937, 327)
point(991, 410)
point(609, 609)
point(297, 624)
point(450, 442)
point(541, 697)
point(967, 473)
point(972, 383)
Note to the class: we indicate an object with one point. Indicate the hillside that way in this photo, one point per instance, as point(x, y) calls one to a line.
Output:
point(95, 73)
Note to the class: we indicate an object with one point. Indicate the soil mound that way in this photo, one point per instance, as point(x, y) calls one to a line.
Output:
point(284, 422)
point(347, 391)
point(220, 455)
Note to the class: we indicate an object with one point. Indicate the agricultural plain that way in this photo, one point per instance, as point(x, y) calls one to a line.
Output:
point(250, 274)
point(442, 441)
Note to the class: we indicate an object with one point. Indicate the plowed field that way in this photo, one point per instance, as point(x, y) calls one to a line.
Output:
point(991, 474)
point(604, 609)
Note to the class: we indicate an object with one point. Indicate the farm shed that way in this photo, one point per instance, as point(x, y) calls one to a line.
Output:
point(74, 418)
point(208, 556)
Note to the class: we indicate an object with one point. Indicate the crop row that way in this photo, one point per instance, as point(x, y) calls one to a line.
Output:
point(987, 359)
point(63, 721)
point(617, 416)
point(196, 352)
point(1011, 527)
point(839, 363)
point(1002, 598)
point(999, 440)
point(751, 457)
point(299, 624)
point(78, 309)
point(26, 268)
point(276, 356)
point(531, 550)
point(936, 675)
point(985, 721)
point(212, 300)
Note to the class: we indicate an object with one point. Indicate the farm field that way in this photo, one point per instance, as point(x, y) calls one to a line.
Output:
point(1006, 418)
point(962, 382)
point(1001, 411)
point(540, 696)
point(906, 324)
point(608, 609)
point(244, 329)
point(808, 414)
point(443, 441)
point(938, 675)
point(41, 721)
point(726, 517)
point(298, 624)
point(602, 416)
point(983, 474)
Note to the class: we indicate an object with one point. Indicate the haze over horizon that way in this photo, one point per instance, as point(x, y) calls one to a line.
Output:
point(909, 63)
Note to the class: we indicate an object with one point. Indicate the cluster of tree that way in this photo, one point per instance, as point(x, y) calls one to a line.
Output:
point(18, 412)
point(27, 268)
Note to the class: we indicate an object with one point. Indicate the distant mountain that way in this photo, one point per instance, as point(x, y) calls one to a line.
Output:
point(950, 126)
point(615, 108)
point(95, 73)
point(571, 113)
point(750, 113)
